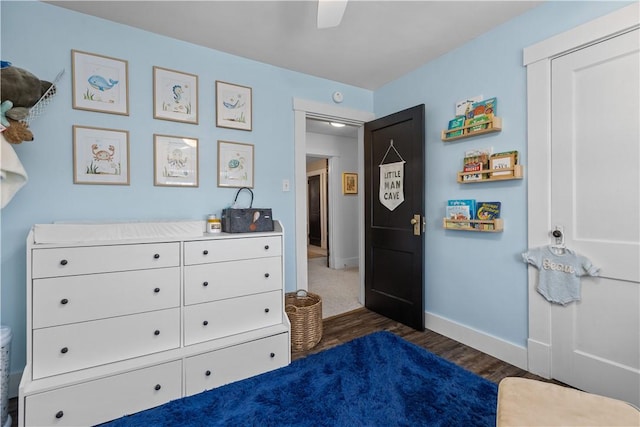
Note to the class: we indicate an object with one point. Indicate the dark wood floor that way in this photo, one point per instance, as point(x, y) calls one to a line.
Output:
point(345, 327)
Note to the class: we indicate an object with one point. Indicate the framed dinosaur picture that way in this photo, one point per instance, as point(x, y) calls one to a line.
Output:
point(100, 83)
point(175, 95)
point(233, 106)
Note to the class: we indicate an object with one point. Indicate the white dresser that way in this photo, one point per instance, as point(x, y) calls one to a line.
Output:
point(118, 325)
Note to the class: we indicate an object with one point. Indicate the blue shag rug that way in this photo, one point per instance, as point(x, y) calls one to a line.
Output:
point(376, 380)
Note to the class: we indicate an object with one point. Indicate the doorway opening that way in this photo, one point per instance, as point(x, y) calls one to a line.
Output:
point(332, 217)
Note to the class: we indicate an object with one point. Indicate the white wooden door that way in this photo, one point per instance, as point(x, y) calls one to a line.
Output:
point(595, 196)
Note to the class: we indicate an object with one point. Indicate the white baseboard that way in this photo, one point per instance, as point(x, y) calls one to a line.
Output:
point(493, 346)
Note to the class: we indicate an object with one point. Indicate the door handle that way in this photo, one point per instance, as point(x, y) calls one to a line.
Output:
point(415, 221)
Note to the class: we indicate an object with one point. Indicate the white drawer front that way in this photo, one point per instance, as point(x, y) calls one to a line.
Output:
point(62, 300)
point(200, 252)
point(221, 280)
point(217, 319)
point(81, 345)
point(105, 399)
point(210, 370)
point(56, 262)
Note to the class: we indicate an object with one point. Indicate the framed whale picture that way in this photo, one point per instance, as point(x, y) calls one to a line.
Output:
point(233, 106)
point(100, 83)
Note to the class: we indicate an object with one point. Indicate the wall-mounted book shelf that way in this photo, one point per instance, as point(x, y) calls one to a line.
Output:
point(504, 174)
point(493, 125)
point(482, 225)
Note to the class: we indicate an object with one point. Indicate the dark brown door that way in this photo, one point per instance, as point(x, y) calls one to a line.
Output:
point(315, 230)
point(394, 237)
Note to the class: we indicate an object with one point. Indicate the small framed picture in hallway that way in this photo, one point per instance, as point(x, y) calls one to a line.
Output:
point(349, 183)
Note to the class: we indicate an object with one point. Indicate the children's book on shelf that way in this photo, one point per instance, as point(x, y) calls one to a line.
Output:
point(461, 209)
point(474, 157)
point(472, 167)
point(504, 160)
point(487, 107)
point(456, 123)
point(488, 210)
point(482, 119)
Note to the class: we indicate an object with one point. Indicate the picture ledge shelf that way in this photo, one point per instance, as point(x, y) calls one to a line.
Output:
point(482, 225)
point(494, 125)
point(517, 174)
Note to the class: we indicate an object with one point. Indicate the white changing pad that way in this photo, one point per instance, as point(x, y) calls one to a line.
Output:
point(91, 232)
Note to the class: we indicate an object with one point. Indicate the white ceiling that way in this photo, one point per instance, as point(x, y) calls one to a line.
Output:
point(376, 42)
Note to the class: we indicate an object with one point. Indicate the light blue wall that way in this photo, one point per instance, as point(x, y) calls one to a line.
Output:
point(477, 279)
point(39, 37)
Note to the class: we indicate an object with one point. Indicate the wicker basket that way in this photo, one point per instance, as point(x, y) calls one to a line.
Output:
point(305, 314)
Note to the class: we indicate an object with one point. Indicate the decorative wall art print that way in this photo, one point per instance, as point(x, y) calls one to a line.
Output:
point(233, 106)
point(175, 161)
point(100, 83)
point(235, 164)
point(175, 95)
point(100, 156)
point(349, 183)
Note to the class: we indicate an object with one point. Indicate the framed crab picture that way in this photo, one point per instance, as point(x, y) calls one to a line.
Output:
point(175, 96)
point(100, 83)
point(100, 156)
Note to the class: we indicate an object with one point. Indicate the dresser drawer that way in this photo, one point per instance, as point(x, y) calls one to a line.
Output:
point(81, 345)
point(203, 251)
point(210, 370)
point(62, 300)
point(217, 319)
point(105, 399)
point(56, 262)
point(221, 280)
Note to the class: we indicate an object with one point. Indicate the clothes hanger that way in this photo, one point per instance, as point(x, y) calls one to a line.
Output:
point(559, 246)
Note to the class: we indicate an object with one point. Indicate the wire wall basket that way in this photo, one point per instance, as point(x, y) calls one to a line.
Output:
point(39, 107)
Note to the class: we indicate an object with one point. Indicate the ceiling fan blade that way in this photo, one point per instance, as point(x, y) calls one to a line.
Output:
point(330, 12)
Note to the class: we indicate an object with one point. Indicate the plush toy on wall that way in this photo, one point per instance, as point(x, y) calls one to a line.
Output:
point(20, 90)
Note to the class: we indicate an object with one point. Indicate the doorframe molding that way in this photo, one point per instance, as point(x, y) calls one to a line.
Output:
point(537, 58)
point(304, 109)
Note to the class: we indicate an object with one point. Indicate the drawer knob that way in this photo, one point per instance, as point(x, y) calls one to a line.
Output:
point(64, 262)
point(266, 310)
point(64, 350)
point(205, 252)
point(272, 355)
point(208, 373)
point(205, 323)
point(266, 247)
point(266, 275)
point(156, 256)
point(156, 290)
point(205, 283)
point(158, 387)
point(59, 414)
point(156, 332)
point(64, 301)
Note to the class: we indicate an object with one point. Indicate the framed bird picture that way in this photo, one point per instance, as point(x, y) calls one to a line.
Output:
point(233, 106)
point(175, 95)
point(100, 83)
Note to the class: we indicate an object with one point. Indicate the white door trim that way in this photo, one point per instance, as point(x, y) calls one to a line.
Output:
point(537, 59)
point(303, 109)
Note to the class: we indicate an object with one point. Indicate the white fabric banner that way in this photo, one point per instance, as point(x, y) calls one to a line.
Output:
point(392, 185)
